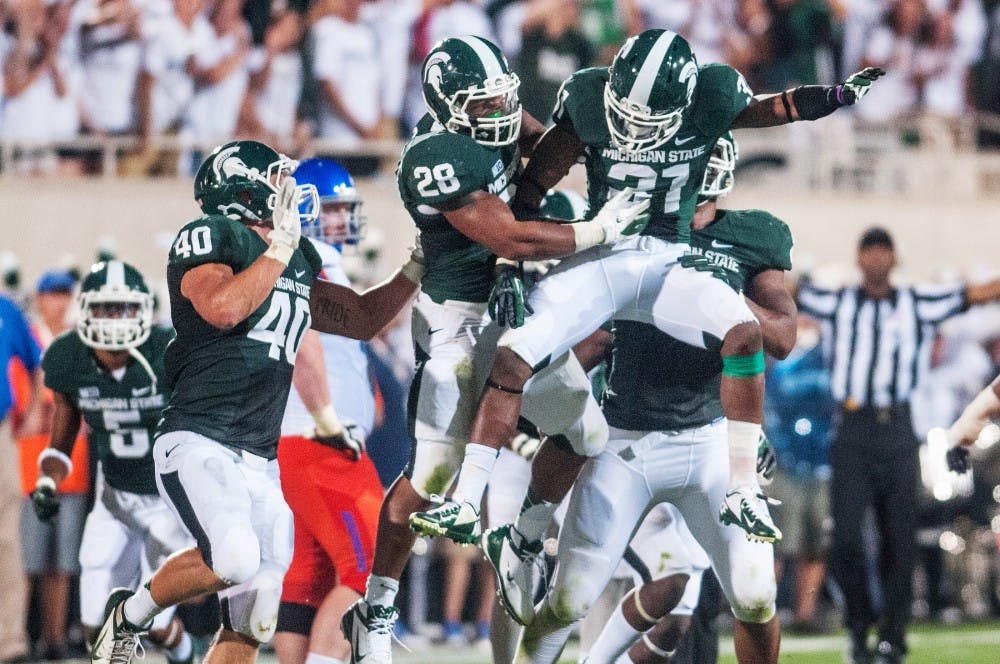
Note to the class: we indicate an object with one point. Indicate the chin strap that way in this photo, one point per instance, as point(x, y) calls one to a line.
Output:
point(134, 352)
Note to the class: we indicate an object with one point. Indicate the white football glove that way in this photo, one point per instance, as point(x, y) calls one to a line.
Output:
point(286, 221)
point(625, 214)
point(338, 434)
point(413, 269)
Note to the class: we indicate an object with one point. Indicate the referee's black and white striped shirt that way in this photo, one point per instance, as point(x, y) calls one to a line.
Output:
point(878, 350)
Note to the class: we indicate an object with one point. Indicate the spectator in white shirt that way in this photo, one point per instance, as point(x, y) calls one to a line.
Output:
point(219, 68)
point(346, 68)
point(31, 78)
point(165, 86)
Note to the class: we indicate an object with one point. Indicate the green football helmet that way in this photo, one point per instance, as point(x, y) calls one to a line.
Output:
point(563, 204)
point(115, 307)
point(241, 179)
point(469, 88)
point(720, 174)
point(651, 82)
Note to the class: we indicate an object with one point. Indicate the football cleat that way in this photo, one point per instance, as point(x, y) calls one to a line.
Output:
point(747, 508)
point(368, 628)
point(118, 639)
point(458, 522)
point(519, 569)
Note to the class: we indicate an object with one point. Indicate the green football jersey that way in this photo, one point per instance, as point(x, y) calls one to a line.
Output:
point(232, 385)
point(658, 383)
point(672, 173)
point(436, 170)
point(121, 412)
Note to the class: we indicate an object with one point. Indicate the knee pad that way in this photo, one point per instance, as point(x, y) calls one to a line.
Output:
point(433, 467)
point(588, 436)
point(235, 554)
point(251, 608)
point(753, 599)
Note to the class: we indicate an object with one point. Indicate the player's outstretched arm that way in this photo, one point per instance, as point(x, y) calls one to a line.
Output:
point(341, 310)
point(554, 154)
point(806, 102)
point(775, 309)
point(982, 293)
point(486, 219)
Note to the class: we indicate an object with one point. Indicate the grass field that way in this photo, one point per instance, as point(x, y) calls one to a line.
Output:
point(929, 644)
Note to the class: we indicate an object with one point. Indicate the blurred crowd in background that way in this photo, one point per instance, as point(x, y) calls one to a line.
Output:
point(340, 73)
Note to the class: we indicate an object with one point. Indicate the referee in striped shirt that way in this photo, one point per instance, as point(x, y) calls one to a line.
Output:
point(877, 341)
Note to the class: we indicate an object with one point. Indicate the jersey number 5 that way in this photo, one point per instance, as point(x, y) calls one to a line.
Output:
point(125, 442)
point(280, 328)
point(436, 181)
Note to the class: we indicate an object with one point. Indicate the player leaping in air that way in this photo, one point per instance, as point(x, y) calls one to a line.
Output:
point(648, 121)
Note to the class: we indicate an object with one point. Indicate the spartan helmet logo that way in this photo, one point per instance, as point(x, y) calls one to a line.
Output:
point(689, 76)
point(227, 164)
point(432, 69)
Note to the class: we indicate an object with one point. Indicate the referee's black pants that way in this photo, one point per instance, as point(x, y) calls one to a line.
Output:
point(875, 464)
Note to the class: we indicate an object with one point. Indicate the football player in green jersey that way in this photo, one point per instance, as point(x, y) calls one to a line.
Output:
point(243, 290)
point(455, 176)
point(668, 437)
point(110, 372)
point(650, 122)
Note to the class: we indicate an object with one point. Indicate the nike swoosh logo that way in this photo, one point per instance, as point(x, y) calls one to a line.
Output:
point(720, 245)
point(168, 452)
point(299, 273)
point(682, 141)
point(437, 329)
point(139, 391)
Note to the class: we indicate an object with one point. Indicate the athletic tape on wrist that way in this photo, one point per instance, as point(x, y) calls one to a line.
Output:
point(413, 271)
point(743, 366)
point(280, 252)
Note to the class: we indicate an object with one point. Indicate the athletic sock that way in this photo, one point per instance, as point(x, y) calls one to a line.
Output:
point(314, 658)
point(381, 590)
point(476, 470)
point(535, 517)
point(615, 638)
point(182, 650)
point(140, 608)
point(744, 438)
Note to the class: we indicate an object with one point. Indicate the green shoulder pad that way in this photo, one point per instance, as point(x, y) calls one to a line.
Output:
point(721, 94)
point(580, 106)
point(312, 256)
point(210, 239)
point(60, 364)
point(437, 168)
point(763, 239)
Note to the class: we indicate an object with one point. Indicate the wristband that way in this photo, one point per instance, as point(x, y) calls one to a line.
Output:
point(327, 422)
point(587, 234)
point(53, 453)
point(280, 252)
point(413, 271)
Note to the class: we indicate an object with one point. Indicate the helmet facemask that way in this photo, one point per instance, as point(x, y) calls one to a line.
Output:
point(340, 221)
point(637, 128)
point(114, 318)
point(243, 205)
point(495, 126)
point(720, 173)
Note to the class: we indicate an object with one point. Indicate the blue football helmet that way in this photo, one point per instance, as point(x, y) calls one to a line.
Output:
point(341, 220)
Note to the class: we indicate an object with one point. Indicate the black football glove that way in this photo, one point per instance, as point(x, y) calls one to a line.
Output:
point(767, 461)
point(507, 303)
point(958, 459)
point(700, 263)
point(858, 85)
point(350, 440)
point(44, 499)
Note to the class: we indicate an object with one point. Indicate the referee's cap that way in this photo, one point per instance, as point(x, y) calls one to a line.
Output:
point(876, 236)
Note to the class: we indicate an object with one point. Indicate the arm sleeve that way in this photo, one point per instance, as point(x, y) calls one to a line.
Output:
point(817, 302)
point(934, 303)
